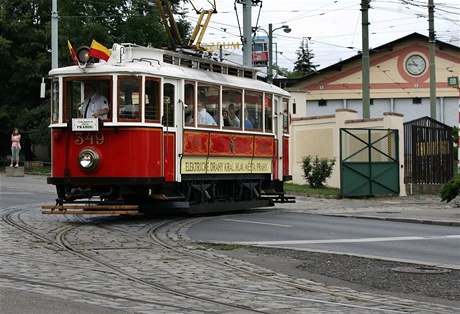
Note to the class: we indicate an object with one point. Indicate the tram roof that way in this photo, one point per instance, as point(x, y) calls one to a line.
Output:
point(131, 59)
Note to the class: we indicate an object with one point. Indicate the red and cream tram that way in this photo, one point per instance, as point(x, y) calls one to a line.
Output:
point(182, 132)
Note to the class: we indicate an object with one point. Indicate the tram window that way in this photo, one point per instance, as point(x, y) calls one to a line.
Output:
point(168, 104)
point(128, 98)
point(253, 104)
point(208, 105)
point(231, 107)
point(72, 99)
point(268, 113)
point(83, 98)
point(152, 100)
point(55, 101)
point(284, 110)
point(189, 93)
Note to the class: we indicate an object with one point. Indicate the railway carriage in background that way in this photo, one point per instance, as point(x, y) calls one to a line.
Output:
point(151, 152)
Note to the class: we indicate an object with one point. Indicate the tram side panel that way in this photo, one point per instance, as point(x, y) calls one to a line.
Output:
point(208, 152)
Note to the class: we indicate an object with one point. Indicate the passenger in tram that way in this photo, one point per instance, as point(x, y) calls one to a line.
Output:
point(188, 114)
point(234, 120)
point(204, 118)
point(247, 121)
point(225, 118)
point(95, 105)
point(129, 112)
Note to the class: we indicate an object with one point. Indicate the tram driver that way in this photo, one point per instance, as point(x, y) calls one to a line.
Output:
point(95, 105)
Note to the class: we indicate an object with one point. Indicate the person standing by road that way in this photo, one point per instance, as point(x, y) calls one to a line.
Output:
point(15, 147)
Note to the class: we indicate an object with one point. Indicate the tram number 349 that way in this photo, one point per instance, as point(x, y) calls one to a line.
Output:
point(91, 137)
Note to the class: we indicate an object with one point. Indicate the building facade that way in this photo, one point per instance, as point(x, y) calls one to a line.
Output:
point(399, 83)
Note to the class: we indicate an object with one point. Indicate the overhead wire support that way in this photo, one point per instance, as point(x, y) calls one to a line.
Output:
point(200, 27)
point(166, 13)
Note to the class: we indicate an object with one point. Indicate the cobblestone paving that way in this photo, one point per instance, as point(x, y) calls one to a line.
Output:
point(113, 262)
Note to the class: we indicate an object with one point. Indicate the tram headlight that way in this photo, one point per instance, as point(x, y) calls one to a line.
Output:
point(83, 55)
point(88, 160)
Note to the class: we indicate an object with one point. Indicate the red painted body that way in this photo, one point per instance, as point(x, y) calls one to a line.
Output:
point(203, 143)
point(124, 152)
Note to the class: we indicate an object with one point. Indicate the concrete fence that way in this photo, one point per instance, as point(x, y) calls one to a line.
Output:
point(320, 136)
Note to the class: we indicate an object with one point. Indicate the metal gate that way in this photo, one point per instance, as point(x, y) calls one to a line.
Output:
point(369, 161)
point(428, 152)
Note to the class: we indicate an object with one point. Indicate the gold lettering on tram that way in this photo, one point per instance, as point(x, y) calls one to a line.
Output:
point(220, 165)
point(90, 138)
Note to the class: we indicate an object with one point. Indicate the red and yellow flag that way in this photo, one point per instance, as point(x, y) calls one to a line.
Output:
point(99, 51)
point(72, 53)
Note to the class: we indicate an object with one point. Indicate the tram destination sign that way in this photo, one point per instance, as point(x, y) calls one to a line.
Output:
point(90, 124)
point(221, 165)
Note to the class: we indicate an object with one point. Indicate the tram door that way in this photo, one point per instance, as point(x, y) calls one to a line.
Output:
point(278, 129)
point(169, 128)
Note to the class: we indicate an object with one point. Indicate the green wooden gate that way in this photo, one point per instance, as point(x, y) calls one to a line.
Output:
point(369, 161)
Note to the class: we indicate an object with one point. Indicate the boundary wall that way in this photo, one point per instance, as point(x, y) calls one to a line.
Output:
point(320, 136)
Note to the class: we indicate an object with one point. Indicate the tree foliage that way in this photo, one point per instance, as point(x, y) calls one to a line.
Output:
point(25, 51)
point(450, 190)
point(304, 64)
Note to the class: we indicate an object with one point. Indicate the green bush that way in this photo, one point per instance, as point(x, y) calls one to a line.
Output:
point(317, 170)
point(450, 189)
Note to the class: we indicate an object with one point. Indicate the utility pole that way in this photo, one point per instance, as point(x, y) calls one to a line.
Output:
point(432, 46)
point(365, 64)
point(247, 32)
point(54, 35)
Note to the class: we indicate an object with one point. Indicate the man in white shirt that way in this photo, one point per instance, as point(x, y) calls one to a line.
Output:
point(94, 105)
point(204, 117)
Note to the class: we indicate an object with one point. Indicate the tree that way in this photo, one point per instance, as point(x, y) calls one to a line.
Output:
point(24, 38)
point(25, 45)
point(304, 64)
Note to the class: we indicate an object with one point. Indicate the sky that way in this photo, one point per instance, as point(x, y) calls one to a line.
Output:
point(332, 27)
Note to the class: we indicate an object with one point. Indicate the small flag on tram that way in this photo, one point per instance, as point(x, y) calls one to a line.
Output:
point(72, 53)
point(99, 51)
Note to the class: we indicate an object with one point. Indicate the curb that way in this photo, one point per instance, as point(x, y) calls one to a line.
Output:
point(400, 219)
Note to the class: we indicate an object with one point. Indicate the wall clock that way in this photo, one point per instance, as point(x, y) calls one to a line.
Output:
point(415, 64)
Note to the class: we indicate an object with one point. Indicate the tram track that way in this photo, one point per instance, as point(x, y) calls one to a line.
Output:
point(168, 235)
point(117, 270)
point(62, 242)
point(166, 242)
point(167, 227)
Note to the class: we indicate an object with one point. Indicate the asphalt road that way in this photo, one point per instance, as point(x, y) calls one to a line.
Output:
point(11, 197)
point(363, 237)
point(16, 301)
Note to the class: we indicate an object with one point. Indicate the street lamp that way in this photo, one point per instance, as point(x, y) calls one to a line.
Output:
point(286, 29)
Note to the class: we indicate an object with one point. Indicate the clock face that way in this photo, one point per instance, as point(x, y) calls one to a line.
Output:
point(415, 65)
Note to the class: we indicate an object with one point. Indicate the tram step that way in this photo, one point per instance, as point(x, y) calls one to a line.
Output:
point(92, 212)
point(272, 192)
point(91, 209)
point(284, 199)
point(163, 197)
